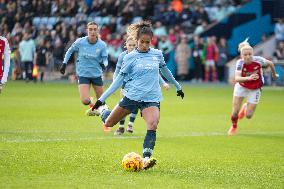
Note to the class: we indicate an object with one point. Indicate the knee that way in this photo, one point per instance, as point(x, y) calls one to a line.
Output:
point(152, 125)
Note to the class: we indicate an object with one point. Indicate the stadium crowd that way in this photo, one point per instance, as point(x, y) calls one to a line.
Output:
point(48, 28)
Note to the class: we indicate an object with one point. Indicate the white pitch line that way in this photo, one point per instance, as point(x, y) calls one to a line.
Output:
point(193, 134)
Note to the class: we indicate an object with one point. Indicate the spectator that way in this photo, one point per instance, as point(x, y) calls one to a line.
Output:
point(58, 53)
point(27, 49)
point(172, 36)
point(41, 59)
point(223, 58)
point(165, 46)
point(279, 53)
point(279, 31)
point(197, 53)
point(181, 57)
point(201, 28)
point(211, 57)
point(159, 29)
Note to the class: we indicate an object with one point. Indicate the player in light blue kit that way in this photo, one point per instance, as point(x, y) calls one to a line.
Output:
point(143, 91)
point(91, 59)
point(130, 45)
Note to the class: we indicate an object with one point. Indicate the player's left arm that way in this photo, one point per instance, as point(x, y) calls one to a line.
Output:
point(272, 67)
point(112, 88)
point(104, 55)
point(169, 76)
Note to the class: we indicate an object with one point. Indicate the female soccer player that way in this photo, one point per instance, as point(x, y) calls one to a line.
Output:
point(130, 45)
point(4, 51)
point(249, 80)
point(92, 58)
point(142, 67)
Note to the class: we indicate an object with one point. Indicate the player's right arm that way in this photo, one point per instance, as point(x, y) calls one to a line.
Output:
point(73, 48)
point(238, 74)
point(239, 78)
point(112, 88)
point(126, 68)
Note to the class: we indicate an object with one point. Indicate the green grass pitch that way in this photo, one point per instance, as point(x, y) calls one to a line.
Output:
point(48, 142)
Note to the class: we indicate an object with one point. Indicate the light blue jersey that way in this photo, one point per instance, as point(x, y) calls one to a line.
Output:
point(119, 65)
point(142, 69)
point(89, 58)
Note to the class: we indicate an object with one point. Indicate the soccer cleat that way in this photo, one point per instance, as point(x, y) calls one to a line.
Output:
point(232, 131)
point(119, 131)
point(242, 112)
point(149, 163)
point(102, 108)
point(130, 129)
point(91, 112)
point(106, 129)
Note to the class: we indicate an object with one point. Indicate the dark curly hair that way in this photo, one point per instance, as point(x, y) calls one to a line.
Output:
point(137, 29)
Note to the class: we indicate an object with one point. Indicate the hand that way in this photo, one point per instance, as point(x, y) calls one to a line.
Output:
point(253, 77)
point(166, 86)
point(275, 76)
point(62, 68)
point(180, 93)
point(97, 105)
point(103, 66)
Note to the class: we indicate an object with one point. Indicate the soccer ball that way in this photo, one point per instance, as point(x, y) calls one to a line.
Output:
point(132, 162)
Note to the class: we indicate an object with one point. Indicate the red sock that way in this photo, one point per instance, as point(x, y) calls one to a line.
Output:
point(214, 75)
point(207, 74)
point(234, 121)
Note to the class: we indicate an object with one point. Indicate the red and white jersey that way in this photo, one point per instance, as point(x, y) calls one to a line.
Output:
point(248, 69)
point(4, 55)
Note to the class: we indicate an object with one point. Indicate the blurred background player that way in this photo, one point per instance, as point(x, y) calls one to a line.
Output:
point(142, 65)
point(249, 80)
point(4, 66)
point(27, 49)
point(41, 59)
point(92, 58)
point(211, 57)
point(130, 45)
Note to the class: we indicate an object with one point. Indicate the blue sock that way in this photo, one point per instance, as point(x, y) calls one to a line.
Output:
point(105, 115)
point(132, 117)
point(121, 122)
point(149, 143)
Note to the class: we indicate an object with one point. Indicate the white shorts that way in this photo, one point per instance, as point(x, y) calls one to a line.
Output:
point(253, 96)
point(209, 63)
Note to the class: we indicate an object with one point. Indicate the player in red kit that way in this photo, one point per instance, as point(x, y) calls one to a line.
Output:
point(4, 65)
point(249, 80)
